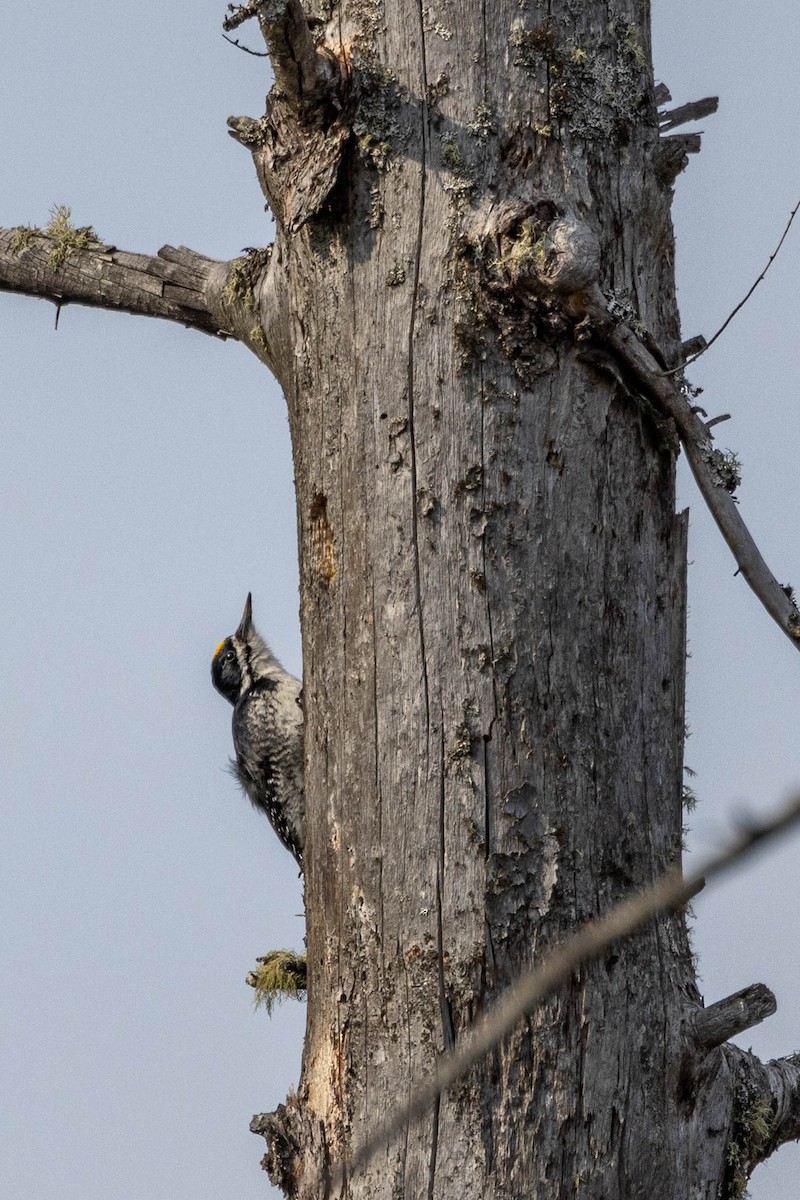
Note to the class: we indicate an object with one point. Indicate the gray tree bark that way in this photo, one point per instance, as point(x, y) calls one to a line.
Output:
point(473, 222)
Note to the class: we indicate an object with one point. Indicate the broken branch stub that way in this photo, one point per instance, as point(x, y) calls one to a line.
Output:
point(298, 145)
point(720, 1022)
point(306, 75)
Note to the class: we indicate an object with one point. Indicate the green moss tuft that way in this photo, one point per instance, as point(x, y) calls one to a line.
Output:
point(259, 338)
point(24, 236)
point(65, 237)
point(239, 288)
point(280, 975)
point(452, 158)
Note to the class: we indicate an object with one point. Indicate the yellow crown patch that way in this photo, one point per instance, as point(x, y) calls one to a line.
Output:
point(219, 647)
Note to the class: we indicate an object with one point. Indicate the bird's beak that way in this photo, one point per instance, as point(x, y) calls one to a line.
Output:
point(247, 618)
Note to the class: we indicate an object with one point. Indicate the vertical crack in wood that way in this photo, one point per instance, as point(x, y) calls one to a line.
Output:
point(434, 1148)
point(376, 752)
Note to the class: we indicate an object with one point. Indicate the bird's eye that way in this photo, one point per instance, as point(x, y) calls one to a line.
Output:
point(229, 656)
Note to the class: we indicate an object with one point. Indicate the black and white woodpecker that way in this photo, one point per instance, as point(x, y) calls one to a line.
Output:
point(267, 729)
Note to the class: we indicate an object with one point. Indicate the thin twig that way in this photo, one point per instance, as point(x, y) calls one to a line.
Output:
point(669, 893)
point(741, 303)
point(247, 50)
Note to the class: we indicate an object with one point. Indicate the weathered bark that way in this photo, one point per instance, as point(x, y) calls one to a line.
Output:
point(493, 606)
point(492, 588)
point(721, 1021)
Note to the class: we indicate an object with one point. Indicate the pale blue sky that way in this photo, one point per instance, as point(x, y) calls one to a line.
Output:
point(145, 481)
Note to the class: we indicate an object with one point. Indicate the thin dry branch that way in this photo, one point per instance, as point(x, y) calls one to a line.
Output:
point(706, 462)
point(669, 893)
point(235, 42)
point(566, 262)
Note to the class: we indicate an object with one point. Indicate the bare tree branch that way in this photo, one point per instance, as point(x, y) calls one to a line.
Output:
point(669, 893)
point(298, 145)
point(688, 112)
point(706, 462)
point(177, 285)
point(239, 13)
point(237, 299)
point(767, 1108)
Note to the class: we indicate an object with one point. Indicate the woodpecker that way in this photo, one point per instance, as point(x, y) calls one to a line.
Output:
point(267, 729)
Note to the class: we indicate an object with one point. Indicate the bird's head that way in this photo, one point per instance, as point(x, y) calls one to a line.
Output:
point(232, 664)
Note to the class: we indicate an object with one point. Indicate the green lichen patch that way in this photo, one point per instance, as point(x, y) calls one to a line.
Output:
point(727, 469)
point(452, 158)
point(66, 238)
point(458, 182)
point(24, 236)
point(280, 975)
point(375, 123)
point(753, 1124)
point(239, 288)
point(596, 90)
point(367, 17)
point(482, 124)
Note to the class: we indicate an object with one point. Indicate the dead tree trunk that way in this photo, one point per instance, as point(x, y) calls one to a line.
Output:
point(469, 304)
point(493, 604)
